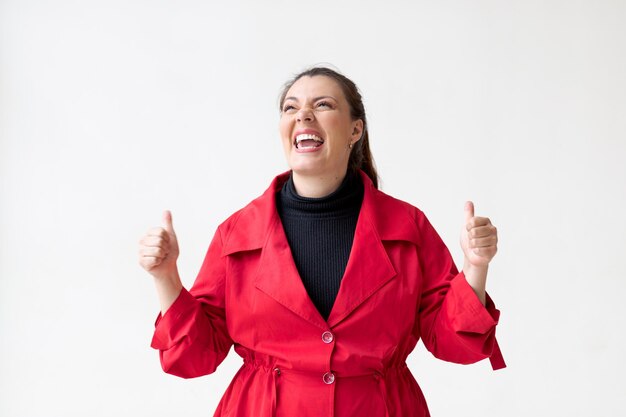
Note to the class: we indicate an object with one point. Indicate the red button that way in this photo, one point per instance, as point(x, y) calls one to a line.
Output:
point(327, 337)
point(328, 378)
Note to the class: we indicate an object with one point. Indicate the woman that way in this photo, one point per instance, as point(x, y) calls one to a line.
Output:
point(324, 284)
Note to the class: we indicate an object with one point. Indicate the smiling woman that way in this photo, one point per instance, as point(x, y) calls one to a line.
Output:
point(318, 133)
point(324, 284)
point(322, 97)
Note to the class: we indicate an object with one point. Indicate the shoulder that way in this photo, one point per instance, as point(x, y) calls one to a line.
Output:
point(247, 228)
point(397, 205)
point(394, 219)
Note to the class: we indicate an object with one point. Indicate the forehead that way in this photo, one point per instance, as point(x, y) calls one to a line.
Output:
point(316, 86)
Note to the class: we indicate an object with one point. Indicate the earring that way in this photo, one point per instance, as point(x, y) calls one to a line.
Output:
point(350, 145)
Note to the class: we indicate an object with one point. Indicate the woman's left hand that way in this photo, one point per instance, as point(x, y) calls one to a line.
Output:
point(479, 238)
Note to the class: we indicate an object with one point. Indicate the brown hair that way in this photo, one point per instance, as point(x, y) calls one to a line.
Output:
point(360, 156)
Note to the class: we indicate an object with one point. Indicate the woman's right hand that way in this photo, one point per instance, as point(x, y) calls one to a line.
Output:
point(158, 250)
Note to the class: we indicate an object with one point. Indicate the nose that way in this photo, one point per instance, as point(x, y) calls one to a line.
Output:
point(304, 114)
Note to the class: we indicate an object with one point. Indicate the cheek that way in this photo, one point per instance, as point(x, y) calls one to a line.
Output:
point(284, 129)
point(339, 125)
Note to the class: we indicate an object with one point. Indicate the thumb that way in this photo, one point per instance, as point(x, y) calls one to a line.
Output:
point(167, 222)
point(469, 211)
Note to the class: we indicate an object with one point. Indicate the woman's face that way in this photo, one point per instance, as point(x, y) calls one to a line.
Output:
point(316, 127)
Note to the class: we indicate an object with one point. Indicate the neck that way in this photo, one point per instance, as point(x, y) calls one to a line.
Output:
point(316, 187)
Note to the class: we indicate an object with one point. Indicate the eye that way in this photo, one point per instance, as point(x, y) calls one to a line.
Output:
point(324, 104)
point(288, 108)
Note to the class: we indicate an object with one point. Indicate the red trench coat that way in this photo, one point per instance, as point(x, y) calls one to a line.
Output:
point(400, 285)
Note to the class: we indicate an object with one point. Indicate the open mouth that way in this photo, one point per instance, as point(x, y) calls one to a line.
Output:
point(308, 141)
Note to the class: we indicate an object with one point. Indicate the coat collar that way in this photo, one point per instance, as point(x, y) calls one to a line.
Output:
point(258, 226)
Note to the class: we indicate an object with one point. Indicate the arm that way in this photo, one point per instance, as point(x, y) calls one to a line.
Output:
point(476, 277)
point(190, 332)
point(455, 325)
point(168, 289)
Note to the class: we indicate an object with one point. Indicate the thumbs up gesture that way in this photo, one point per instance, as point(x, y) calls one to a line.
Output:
point(158, 249)
point(479, 238)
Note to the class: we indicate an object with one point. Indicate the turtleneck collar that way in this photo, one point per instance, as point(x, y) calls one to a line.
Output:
point(345, 200)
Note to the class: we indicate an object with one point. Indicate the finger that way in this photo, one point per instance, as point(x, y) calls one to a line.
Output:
point(154, 241)
point(149, 262)
point(468, 210)
point(482, 231)
point(155, 252)
point(488, 252)
point(158, 231)
point(167, 222)
point(478, 221)
point(483, 242)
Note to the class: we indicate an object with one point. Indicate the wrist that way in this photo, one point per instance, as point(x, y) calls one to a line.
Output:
point(170, 276)
point(470, 268)
point(168, 287)
point(476, 277)
point(169, 282)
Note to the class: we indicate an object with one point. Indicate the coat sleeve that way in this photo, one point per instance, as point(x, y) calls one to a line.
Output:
point(453, 323)
point(191, 336)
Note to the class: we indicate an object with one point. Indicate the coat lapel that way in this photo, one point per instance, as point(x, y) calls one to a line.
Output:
point(368, 269)
point(278, 277)
point(258, 226)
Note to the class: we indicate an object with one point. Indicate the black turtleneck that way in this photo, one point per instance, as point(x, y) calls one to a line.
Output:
point(320, 232)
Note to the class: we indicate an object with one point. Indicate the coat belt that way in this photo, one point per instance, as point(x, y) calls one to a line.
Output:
point(276, 371)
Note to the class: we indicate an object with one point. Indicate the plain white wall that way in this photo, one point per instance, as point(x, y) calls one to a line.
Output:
point(112, 111)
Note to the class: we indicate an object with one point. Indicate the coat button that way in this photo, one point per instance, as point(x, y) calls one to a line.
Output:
point(327, 337)
point(328, 378)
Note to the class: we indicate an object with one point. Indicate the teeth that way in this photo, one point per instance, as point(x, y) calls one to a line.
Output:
point(308, 136)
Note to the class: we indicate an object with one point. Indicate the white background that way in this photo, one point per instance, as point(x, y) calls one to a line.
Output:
point(112, 111)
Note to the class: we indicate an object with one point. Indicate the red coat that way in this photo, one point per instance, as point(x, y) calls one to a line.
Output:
point(400, 285)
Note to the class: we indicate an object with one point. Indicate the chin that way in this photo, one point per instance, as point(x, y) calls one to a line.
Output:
point(306, 168)
point(308, 171)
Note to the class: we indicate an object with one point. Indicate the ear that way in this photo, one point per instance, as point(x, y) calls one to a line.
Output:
point(357, 130)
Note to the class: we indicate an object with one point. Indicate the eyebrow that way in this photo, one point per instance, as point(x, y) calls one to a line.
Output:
point(315, 99)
